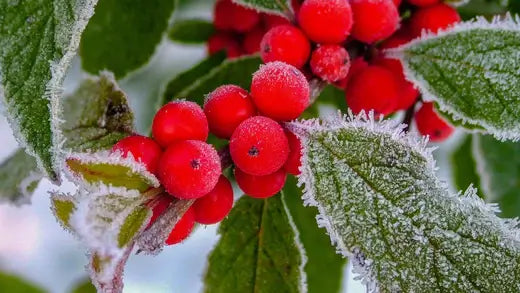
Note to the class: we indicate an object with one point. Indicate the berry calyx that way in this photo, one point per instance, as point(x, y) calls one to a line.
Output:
point(430, 123)
point(330, 62)
point(224, 42)
point(182, 229)
point(285, 43)
point(260, 186)
point(230, 16)
point(143, 149)
point(292, 166)
point(423, 3)
point(177, 121)
point(280, 91)
point(189, 169)
point(433, 18)
point(226, 107)
point(252, 40)
point(326, 22)
point(374, 20)
point(216, 205)
point(259, 146)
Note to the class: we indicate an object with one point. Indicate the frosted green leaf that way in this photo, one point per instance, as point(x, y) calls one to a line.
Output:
point(258, 250)
point(191, 31)
point(383, 206)
point(498, 165)
point(464, 168)
point(38, 39)
point(279, 7)
point(472, 71)
point(62, 207)
point(19, 176)
point(123, 34)
point(14, 284)
point(84, 286)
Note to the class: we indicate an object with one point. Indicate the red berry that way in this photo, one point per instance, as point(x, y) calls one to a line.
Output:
point(433, 18)
point(252, 40)
point(356, 66)
point(280, 91)
point(226, 107)
point(143, 149)
point(229, 15)
point(285, 43)
point(182, 229)
point(189, 169)
point(177, 121)
point(408, 93)
point(292, 166)
point(423, 3)
point(374, 20)
point(330, 62)
point(226, 42)
point(221, 14)
point(259, 146)
point(429, 123)
point(326, 21)
point(397, 3)
point(401, 37)
point(374, 88)
point(260, 186)
point(214, 206)
point(159, 206)
point(271, 20)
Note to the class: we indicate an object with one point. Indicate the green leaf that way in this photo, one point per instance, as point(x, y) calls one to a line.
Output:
point(471, 70)
point(38, 39)
point(123, 34)
point(280, 7)
point(84, 286)
point(258, 250)
point(324, 267)
point(191, 31)
point(498, 165)
point(132, 225)
point(19, 177)
point(464, 167)
point(97, 115)
point(379, 198)
point(329, 96)
point(487, 8)
point(14, 284)
point(62, 207)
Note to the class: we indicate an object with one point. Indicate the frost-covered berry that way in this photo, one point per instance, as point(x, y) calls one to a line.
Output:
point(326, 22)
point(260, 186)
point(252, 40)
point(224, 42)
point(189, 169)
point(374, 20)
point(230, 16)
point(214, 206)
point(292, 166)
point(408, 93)
point(423, 3)
point(356, 66)
point(271, 20)
point(182, 229)
point(226, 107)
point(177, 121)
point(330, 62)
point(143, 149)
point(374, 88)
point(429, 123)
point(433, 18)
point(285, 43)
point(259, 146)
point(159, 206)
point(280, 91)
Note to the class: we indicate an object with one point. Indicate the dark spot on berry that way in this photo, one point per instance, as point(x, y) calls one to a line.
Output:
point(195, 164)
point(345, 61)
point(267, 49)
point(253, 151)
point(437, 133)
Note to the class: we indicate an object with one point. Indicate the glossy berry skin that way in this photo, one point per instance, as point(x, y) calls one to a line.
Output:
point(159, 206)
point(330, 62)
point(292, 166)
point(260, 186)
point(259, 146)
point(143, 149)
point(356, 66)
point(408, 94)
point(224, 42)
point(374, 20)
point(374, 88)
point(326, 22)
point(280, 91)
point(423, 3)
point(252, 40)
point(226, 107)
point(189, 169)
point(178, 121)
point(230, 16)
point(433, 18)
point(429, 123)
point(216, 205)
point(285, 43)
point(182, 229)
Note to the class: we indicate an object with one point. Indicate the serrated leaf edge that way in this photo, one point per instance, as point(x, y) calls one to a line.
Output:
point(269, 11)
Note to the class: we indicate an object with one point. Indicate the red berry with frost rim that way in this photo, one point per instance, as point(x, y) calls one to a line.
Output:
point(226, 107)
point(189, 169)
point(285, 43)
point(159, 205)
point(292, 166)
point(326, 22)
point(330, 62)
point(433, 18)
point(259, 146)
point(423, 3)
point(374, 88)
point(224, 42)
point(178, 121)
point(374, 20)
point(216, 205)
point(260, 186)
point(280, 91)
point(430, 123)
point(252, 40)
point(230, 16)
point(182, 229)
point(408, 94)
point(143, 149)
